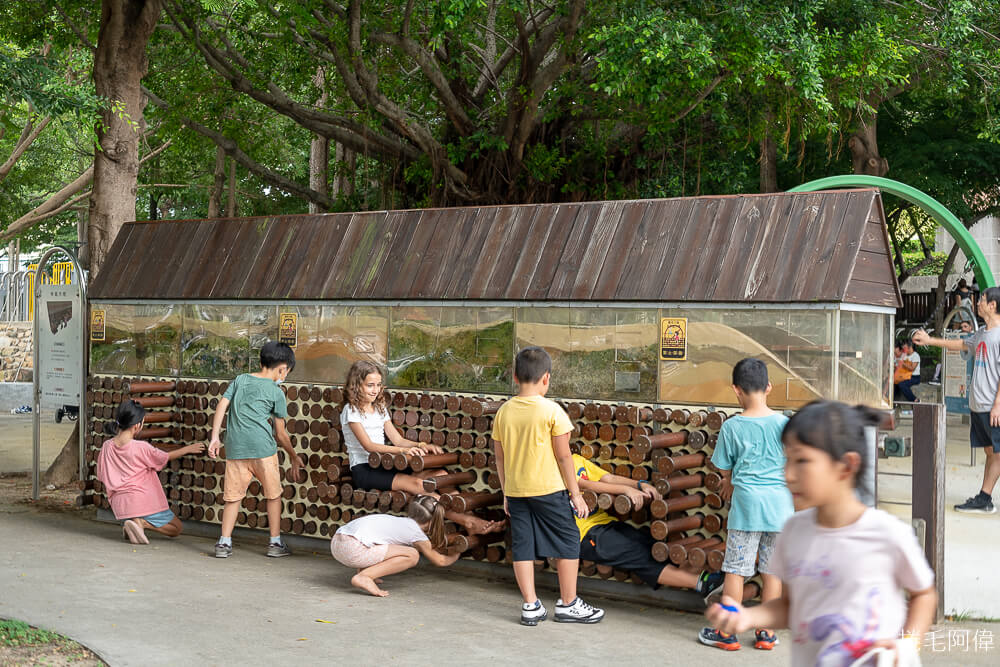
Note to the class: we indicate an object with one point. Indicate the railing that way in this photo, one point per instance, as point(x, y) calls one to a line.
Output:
point(15, 296)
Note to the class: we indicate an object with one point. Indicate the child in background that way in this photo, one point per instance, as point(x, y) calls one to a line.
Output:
point(381, 544)
point(252, 446)
point(127, 468)
point(751, 461)
point(531, 443)
point(846, 568)
point(365, 422)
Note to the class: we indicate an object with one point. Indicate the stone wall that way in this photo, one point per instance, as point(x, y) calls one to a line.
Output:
point(15, 352)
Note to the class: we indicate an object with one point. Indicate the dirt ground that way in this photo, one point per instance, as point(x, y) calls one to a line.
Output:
point(15, 490)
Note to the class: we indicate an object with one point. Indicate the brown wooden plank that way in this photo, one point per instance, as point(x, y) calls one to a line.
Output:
point(144, 246)
point(801, 213)
point(874, 268)
point(440, 221)
point(305, 230)
point(188, 246)
point(650, 240)
point(348, 260)
point(503, 269)
point(597, 252)
point(489, 254)
point(823, 281)
point(872, 294)
point(425, 227)
point(841, 263)
point(318, 267)
point(577, 244)
point(733, 275)
point(477, 233)
point(108, 283)
point(552, 252)
point(606, 286)
point(530, 256)
point(872, 240)
point(377, 256)
point(369, 240)
point(703, 281)
point(258, 256)
point(460, 227)
point(158, 259)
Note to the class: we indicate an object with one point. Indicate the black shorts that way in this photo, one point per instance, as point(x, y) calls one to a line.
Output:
point(981, 434)
point(623, 547)
point(543, 527)
point(374, 479)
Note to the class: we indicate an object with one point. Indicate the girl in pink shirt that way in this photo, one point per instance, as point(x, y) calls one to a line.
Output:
point(856, 586)
point(127, 467)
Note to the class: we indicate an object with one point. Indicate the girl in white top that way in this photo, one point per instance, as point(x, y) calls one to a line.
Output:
point(366, 425)
point(846, 569)
point(382, 544)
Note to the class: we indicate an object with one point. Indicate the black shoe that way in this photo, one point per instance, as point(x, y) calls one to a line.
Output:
point(980, 504)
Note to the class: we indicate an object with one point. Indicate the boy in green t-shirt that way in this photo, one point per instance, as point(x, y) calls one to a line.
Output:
point(251, 447)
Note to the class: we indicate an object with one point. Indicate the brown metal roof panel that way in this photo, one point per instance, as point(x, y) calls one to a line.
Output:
point(683, 281)
point(367, 241)
point(409, 264)
point(529, 260)
point(489, 254)
point(475, 238)
point(632, 216)
point(442, 229)
point(108, 284)
point(610, 214)
point(519, 229)
point(311, 277)
point(252, 269)
point(573, 251)
point(678, 230)
point(790, 232)
point(452, 252)
point(821, 281)
point(873, 294)
point(378, 257)
point(188, 243)
point(563, 218)
point(147, 255)
point(303, 238)
point(834, 267)
point(704, 279)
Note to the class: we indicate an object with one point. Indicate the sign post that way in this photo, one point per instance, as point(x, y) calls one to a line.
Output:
point(60, 329)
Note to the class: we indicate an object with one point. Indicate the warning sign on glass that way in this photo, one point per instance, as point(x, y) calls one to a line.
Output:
point(673, 338)
point(96, 324)
point(288, 328)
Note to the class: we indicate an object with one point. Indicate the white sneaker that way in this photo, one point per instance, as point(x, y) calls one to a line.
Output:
point(578, 612)
point(533, 614)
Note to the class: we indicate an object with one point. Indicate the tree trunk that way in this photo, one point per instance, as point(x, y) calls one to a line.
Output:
point(347, 164)
point(768, 157)
point(66, 467)
point(218, 183)
point(231, 199)
point(864, 149)
point(319, 150)
point(940, 292)
point(119, 64)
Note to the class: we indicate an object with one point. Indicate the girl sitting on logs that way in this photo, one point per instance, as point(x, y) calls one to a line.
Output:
point(366, 425)
point(382, 544)
point(127, 467)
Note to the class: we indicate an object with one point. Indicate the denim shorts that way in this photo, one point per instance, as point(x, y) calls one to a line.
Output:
point(160, 519)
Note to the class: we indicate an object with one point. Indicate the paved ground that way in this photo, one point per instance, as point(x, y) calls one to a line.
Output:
point(15, 441)
point(170, 603)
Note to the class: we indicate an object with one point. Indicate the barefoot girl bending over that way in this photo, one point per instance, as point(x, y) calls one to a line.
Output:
point(382, 544)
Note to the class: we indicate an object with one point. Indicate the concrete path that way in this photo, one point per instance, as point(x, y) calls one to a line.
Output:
point(171, 604)
point(15, 440)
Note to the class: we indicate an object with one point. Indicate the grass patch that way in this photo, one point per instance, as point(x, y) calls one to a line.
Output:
point(23, 644)
point(16, 633)
point(969, 615)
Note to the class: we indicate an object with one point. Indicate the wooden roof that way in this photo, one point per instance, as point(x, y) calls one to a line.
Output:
point(802, 247)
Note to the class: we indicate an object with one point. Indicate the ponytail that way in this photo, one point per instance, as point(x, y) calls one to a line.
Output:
point(129, 414)
point(835, 428)
point(427, 510)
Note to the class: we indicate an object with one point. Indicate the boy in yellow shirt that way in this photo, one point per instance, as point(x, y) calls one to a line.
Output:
point(531, 441)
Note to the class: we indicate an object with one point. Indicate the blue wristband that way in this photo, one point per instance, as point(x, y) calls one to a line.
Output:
point(730, 608)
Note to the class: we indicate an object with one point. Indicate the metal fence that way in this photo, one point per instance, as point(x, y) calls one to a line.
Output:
point(16, 288)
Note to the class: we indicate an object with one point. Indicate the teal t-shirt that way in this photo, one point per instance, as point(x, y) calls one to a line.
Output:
point(252, 401)
point(751, 448)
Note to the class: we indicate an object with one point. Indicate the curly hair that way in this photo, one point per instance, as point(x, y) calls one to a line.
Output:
point(361, 369)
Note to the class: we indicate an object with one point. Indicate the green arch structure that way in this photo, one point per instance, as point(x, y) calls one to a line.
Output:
point(934, 208)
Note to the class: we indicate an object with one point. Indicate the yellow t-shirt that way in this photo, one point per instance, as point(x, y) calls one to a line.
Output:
point(524, 426)
point(587, 470)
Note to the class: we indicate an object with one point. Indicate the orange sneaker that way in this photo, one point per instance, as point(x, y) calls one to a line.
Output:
point(718, 639)
point(765, 640)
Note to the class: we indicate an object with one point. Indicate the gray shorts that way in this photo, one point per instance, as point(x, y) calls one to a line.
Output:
point(748, 551)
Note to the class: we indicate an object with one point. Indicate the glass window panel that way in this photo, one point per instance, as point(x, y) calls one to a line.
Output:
point(116, 353)
point(863, 363)
point(451, 348)
point(331, 338)
point(263, 327)
point(796, 345)
point(606, 353)
point(157, 335)
point(215, 341)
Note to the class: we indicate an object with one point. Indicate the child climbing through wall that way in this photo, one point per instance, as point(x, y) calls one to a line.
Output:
point(846, 568)
point(751, 461)
point(127, 468)
point(252, 399)
point(381, 544)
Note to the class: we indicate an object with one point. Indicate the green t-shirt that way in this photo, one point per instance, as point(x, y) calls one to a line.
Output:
point(252, 401)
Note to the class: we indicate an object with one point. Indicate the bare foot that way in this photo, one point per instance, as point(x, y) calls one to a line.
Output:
point(367, 584)
point(477, 526)
point(377, 581)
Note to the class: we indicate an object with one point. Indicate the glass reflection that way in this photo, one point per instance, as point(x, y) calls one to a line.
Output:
point(116, 353)
point(216, 341)
point(156, 330)
point(331, 338)
point(863, 364)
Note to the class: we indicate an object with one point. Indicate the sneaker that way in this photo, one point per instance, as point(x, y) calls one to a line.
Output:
point(223, 550)
point(710, 583)
point(134, 532)
point(578, 612)
point(978, 504)
point(533, 614)
point(718, 639)
point(278, 550)
point(765, 640)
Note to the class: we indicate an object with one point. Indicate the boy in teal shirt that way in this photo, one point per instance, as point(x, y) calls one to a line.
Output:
point(752, 460)
point(251, 445)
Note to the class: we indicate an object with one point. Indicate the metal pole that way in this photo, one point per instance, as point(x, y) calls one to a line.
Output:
point(929, 440)
point(36, 453)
